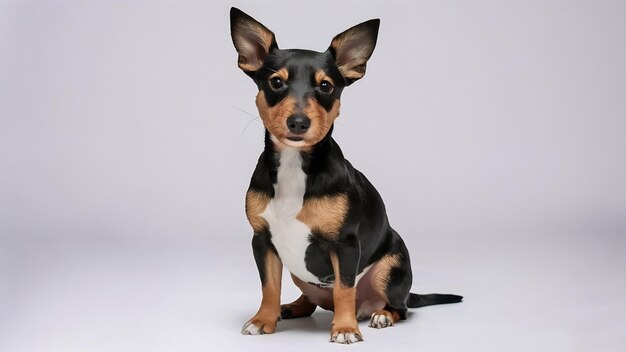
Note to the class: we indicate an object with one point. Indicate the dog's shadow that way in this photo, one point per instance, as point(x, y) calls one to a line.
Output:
point(320, 321)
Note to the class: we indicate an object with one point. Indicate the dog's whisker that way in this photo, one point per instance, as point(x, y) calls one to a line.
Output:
point(254, 117)
point(247, 125)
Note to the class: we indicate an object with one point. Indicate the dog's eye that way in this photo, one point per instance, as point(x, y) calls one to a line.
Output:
point(276, 83)
point(326, 87)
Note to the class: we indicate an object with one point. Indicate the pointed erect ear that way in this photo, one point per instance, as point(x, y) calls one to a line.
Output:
point(353, 48)
point(252, 40)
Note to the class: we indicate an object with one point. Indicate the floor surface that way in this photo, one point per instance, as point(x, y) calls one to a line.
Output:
point(195, 297)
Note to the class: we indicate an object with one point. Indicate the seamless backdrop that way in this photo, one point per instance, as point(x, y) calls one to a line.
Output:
point(493, 130)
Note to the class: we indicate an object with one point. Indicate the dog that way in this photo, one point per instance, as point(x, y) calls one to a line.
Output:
point(309, 208)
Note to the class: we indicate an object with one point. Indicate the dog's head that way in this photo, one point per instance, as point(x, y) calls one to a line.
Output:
point(300, 90)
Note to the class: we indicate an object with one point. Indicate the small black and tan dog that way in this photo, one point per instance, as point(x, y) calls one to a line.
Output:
point(309, 208)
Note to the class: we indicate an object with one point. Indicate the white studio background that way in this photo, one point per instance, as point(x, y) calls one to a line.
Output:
point(493, 130)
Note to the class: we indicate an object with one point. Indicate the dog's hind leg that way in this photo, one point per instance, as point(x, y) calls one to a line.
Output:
point(302, 307)
point(392, 281)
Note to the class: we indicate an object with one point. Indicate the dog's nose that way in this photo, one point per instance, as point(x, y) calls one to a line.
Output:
point(298, 123)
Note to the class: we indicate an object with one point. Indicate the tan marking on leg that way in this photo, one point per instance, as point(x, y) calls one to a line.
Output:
point(256, 203)
point(383, 270)
point(325, 214)
point(269, 312)
point(344, 298)
point(368, 299)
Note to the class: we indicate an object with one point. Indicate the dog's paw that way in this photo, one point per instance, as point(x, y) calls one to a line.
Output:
point(258, 327)
point(250, 328)
point(346, 336)
point(286, 312)
point(381, 320)
point(292, 311)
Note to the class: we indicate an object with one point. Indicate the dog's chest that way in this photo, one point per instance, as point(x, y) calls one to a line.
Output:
point(289, 235)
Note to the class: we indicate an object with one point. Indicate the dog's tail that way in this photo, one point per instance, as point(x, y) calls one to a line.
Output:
point(416, 301)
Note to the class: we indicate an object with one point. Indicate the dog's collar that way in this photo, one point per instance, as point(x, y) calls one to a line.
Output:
point(320, 285)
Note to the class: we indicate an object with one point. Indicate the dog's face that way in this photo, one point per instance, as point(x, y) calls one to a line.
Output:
point(300, 90)
point(298, 97)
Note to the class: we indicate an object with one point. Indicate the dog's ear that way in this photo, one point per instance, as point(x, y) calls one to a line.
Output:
point(252, 40)
point(353, 48)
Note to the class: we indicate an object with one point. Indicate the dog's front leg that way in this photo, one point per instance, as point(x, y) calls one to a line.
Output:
point(271, 270)
point(345, 261)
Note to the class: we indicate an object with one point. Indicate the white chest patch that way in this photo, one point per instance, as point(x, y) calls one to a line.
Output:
point(289, 235)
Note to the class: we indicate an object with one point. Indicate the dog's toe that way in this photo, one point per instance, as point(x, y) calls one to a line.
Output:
point(251, 329)
point(380, 321)
point(286, 313)
point(346, 337)
point(260, 324)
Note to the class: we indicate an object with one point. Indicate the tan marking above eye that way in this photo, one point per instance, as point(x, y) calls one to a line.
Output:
point(320, 76)
point(282, 73)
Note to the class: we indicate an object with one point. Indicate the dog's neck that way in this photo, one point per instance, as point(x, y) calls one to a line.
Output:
point(316, 157)
point(324, 165)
